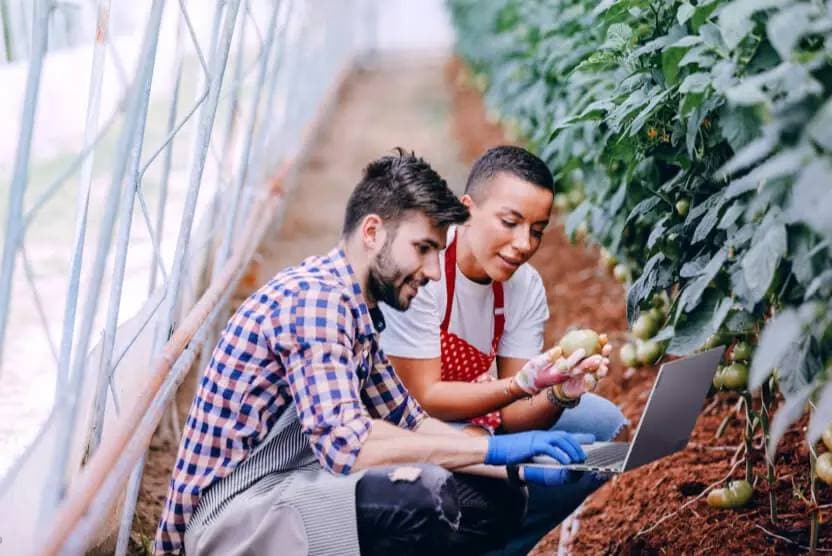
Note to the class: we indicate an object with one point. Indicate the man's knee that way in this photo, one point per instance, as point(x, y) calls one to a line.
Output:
point(406, 508)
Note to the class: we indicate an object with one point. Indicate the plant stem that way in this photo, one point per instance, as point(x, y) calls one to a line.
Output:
point(749, 434)
point(772, 477)
point(813, 515)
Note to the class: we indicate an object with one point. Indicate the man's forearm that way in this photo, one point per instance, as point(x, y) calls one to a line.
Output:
point(433, 442)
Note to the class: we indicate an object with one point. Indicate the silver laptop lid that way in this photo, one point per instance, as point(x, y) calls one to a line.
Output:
point(673, 407)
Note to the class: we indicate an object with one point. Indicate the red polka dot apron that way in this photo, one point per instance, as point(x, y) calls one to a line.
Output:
point(460, 360)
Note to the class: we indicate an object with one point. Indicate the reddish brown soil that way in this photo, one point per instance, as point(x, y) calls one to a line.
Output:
point(659, 508)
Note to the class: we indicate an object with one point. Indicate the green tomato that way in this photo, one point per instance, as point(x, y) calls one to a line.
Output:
point(713, 341)
point(827, 437)
point(659, 301)
point(645, 326)
point(648, 352)
point(735, 495)
point(585, 339)
point(575, 197)
point(682, 207)
point(823, 468)
point(718, 378)
point(735, 376)
point(657, 315)
point(608, 260)
point(628, 355)
point(621, 273)
point(741, 351)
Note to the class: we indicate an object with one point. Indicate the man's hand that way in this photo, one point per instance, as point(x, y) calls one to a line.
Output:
point(566, 448)
point(576, 374)
point(549, 476)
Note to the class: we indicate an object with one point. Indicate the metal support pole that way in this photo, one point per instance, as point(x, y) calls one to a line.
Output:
point(219, 60)
point(84, 185)
point(20, 174)
point(68, 401)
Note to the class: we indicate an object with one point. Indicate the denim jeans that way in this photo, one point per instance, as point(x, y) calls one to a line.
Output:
point(438, 512)
point(548, 506)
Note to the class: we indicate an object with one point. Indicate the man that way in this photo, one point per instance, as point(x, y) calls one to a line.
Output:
point(489, 308)
point(302, 440)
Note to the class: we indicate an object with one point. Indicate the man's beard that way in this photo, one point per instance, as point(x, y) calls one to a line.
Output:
point(385, 280)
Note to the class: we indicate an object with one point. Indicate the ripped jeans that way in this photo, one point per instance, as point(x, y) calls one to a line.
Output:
point(438, 512)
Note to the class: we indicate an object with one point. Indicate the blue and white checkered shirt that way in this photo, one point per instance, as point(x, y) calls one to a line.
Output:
point(307, 336)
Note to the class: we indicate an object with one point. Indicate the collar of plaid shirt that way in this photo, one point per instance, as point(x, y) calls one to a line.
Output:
point(253, 375)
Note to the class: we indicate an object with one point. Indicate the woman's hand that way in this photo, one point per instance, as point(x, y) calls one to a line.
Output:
point(576, 373)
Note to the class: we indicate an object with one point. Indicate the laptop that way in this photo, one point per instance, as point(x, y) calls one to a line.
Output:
point(666, 423)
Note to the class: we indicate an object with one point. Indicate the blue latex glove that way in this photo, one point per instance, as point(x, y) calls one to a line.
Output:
point(549, 476)
point(522, 446)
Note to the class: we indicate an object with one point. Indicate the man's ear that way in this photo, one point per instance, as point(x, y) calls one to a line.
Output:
point(372, 231)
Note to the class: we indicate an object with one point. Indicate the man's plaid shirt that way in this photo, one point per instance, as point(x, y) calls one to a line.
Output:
point(307, 336)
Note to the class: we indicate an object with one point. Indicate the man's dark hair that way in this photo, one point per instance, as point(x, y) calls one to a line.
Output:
point(512, 160)
point(395, 184)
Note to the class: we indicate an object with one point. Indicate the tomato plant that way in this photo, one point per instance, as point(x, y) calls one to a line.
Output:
point(698, 137)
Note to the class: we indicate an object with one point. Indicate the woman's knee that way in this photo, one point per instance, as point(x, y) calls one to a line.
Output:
point(595, 415)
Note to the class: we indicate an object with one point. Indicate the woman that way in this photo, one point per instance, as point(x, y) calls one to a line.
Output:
point(468, 342)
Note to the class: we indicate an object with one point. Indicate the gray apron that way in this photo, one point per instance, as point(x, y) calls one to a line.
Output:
point(279, 500)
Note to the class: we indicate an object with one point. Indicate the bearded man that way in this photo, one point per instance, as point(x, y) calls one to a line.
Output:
point(302, 440)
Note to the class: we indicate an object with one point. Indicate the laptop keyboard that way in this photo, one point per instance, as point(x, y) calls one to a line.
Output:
point(606, 454)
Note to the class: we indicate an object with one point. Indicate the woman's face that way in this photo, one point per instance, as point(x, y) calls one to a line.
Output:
point(508, 218)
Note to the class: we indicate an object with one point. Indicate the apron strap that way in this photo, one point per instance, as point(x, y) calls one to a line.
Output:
point(450, 280)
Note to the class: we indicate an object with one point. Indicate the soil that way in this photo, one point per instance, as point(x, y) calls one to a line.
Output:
point(659, 508)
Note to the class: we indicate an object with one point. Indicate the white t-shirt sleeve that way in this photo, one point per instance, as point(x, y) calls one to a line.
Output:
point(523, 335)
point(415, 332)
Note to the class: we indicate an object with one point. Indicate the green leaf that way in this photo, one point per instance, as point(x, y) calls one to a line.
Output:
point(821, 283)
point(740, 323)
point(746, 93)
point(779, 334)
point(619, 36)
point(703, 322)
point(786, 163)
point(639, 121)
point(760, 262)
point(707, 224)
point(735, 18)
point(695, 266)
point(702, 13)
point(654, 275)
point(789, 412)
point(643, 208)
point(820, 128)
point(751, 153)
point(811, 200)
point(739, 126)
point(821, 416)
point(695, 83)
point(787, 26)
point(697, 55)
point(576, 217)
point(657, 232)
point(684, 13)
point(692, 293)
point(673, 54)
point(729, 218)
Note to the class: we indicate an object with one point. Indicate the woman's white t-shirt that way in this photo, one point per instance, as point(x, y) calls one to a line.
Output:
point(414, 333)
